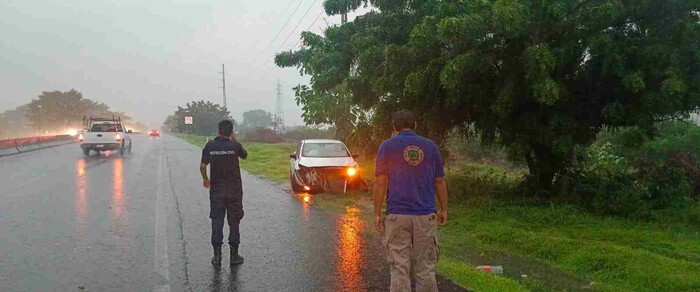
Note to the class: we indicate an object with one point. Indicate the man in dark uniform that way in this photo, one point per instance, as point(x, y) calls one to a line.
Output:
point(225, 189)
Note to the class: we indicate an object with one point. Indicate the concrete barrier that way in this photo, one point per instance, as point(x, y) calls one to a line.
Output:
point(8, 151)
point(21, 145)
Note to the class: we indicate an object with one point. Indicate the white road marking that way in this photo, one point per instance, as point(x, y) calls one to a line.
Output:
point(161, 263)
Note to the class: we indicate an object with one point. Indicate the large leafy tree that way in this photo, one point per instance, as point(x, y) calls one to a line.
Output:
point(538, 76)
point(205, 116)
point(55, 111)
point(256, 119)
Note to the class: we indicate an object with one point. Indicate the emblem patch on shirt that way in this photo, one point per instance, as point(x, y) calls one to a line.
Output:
point(413, 155)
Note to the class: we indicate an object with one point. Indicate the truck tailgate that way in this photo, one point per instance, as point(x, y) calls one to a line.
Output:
point(100, 137)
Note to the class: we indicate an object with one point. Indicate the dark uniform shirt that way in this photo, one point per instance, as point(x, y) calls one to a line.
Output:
point(223, 153)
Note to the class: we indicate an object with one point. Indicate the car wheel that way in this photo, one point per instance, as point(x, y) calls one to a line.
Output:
point(297, 188)
point(86, 152)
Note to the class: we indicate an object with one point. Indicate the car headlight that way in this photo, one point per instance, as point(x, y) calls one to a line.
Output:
point(352, 171)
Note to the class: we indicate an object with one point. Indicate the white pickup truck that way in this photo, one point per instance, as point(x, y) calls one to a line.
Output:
point(105, 135)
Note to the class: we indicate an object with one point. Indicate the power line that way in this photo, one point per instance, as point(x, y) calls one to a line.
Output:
point(295, 45)
point(309, 29)
point(281, 29)
point(257, 41)
point(297, 26)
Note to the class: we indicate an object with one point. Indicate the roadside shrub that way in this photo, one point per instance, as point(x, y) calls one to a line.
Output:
point(610, 186)
point(471, 149)
point(607, 185)
point(673, 137)
point(262, 135)
point(479, 181)
point(688, 164)
point(667, 139)
point(666, 186)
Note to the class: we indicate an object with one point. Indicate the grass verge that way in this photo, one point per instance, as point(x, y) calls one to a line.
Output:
point(542, 248)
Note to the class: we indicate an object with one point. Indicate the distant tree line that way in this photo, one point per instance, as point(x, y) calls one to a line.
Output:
point(205, 117)
point(54, 112)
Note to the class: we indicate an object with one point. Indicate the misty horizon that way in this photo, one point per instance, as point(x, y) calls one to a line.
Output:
point(147, 58)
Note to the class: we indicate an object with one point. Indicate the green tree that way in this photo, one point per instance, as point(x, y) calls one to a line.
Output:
point(14, 123)
point(53, 110)
point(205, 117)
point(540, 77)
point(256, 119)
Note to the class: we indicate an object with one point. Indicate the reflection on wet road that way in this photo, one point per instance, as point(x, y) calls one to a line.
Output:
point(118, 196)
point(350, 250)
point(71, 222)
point(81, 197)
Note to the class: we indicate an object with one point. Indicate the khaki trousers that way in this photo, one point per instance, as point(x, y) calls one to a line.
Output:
point(412, 239)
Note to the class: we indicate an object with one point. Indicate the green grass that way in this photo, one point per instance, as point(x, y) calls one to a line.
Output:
point(616, 254)
point(268, 160)
point(558, 247)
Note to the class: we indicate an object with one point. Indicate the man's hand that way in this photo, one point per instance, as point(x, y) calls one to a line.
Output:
point(206, 183)
point(233, 136)
point(442, 217)
point(379, 222)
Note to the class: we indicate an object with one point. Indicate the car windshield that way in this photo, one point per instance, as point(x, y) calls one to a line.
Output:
point(106, 128)
point(324, 150)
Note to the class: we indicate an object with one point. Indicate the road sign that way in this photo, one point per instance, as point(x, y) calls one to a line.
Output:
point(188, 120)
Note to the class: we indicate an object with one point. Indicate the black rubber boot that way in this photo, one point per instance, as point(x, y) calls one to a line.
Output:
point(236, 259)
point(216, 260)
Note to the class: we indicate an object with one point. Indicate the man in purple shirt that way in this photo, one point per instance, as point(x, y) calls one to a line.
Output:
point(410, 174)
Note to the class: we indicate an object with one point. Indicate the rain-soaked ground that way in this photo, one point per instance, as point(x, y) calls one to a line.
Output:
point(140, 222)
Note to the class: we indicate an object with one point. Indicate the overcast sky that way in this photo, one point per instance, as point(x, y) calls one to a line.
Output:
point(146, 57)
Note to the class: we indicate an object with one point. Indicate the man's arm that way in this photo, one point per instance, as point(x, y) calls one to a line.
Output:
point(379, 196)
point(381, 178)
point(441, 193)
point(242, 153)
point(203, 166)
point(440, 186)
point(203, 172)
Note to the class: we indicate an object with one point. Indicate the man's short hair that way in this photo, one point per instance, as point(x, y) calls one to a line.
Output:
point(403, 120)
point(226, 128)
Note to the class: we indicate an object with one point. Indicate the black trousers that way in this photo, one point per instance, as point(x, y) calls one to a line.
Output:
point(230, 207)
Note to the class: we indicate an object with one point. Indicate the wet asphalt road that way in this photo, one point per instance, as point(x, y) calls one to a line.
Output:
point(140, 223)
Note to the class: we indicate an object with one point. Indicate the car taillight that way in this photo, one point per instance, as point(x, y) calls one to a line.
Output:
point(118, 137)
point(352, 171)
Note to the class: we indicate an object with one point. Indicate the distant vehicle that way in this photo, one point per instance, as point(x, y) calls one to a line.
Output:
point(320, 165)
point(104, 134)
point(154, 133)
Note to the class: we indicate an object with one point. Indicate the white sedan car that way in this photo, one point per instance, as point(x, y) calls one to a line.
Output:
point(321, 165)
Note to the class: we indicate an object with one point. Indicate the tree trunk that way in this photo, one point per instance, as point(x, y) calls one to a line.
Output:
point(543, 167)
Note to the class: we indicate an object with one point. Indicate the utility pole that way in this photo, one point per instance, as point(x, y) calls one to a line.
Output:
point(279, 114)
point(223, 82)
